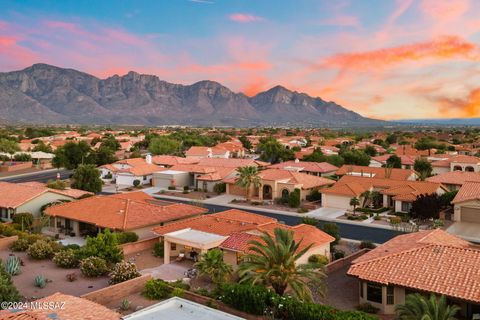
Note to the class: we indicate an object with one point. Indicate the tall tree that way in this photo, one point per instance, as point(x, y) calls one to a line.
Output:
point(247, 178)
point(212, 265)
point(426, 206)
point(423, 167)
point(418, 307)
point(354, 202)
point(356, 157)
point(8, 146)
point(72, 154)
point(425, 143)
point(164, 145)
point(272, 263)
point(273, 151)
point(87, 177)
point(245, 142)
point(394, 161)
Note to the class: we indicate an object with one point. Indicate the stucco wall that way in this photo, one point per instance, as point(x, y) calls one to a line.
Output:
point(33, 206)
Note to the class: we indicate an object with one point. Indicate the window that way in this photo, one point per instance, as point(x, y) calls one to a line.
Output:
point(406, 206)
point(144, 178)
point(360, 287)
point(173, 246)
point(390, 295)
point(374, 292)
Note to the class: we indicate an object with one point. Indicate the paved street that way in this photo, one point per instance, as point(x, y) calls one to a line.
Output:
point(41, 176)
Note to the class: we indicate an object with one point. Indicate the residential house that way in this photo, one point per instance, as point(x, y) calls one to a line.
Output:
point(397, 194)
point(456, 163)
point(424, 262)
point(231, 231)
point(169, 161)
point(467, 203)
point(133, 211)
point(31, 197)
point(381, 161)
point(235, 147)
point(454, 180)
point(320, 169)
point(125, 172)
point(277, 183)
point(199, 152)
point(373, 172)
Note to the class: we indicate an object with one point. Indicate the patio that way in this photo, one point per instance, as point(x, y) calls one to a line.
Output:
point(169, 272)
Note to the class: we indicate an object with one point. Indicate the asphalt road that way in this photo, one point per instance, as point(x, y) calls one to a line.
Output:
point(348, 231)
point(41, 176)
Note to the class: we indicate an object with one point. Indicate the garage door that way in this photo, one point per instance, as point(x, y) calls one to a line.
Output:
point(469, 214)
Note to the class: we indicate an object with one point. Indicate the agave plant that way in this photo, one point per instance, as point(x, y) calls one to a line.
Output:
point(40, 282)
point(12, 266)
point(125, 305)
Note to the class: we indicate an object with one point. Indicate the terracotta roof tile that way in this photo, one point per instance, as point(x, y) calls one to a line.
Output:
point(320, 167)
point(306, 180)
point(392, 173)
point(455, 177)
point(469, 191)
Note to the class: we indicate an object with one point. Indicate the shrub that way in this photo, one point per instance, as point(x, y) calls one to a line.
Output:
point(57, 184)
point(172, 188)
point(180, 284)
point(12, 266)
point(158, 249)
point(8, 291)
point(65, 259)
point(332, 229)
point(40, 282)
point(136, 183)
point(21, 244)
point(125, 305)
point(93, 267)
point(178, 292)
point(186, 188)
point(123, 271)
point(302, 210)
point(104, 245)
point(367, 244)
point(24, 219)
point(310, 220)
point(41, 249)
point(338, 254)
point(367, 307)
point(156, 289)
point(319, 259)
point(255, 300)
point(294, 198)
point(126, 237)
point(71, 277)
point(220, 188)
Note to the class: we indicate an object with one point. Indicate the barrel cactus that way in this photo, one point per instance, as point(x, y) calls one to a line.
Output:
point(12, 266)
point(40, 282)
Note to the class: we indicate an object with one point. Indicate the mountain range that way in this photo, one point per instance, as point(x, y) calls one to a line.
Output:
point(45, 94)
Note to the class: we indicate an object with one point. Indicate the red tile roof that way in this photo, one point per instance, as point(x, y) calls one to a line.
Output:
point(455, 177)
point(433, 262)
point(307, 181)
point(67, 308)
point(405, 159)
point(126, 211)
point(390, 173)
point(468, 191)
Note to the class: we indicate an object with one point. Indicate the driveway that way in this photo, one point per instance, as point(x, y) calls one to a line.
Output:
point(168, 272)
point(467, 230)
point(326, 213)
point(342, 290)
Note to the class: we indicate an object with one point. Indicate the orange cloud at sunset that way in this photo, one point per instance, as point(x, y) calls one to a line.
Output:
point(469, 107)
point(440, 48)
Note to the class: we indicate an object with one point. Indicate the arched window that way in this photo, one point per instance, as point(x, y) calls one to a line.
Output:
point(457, 168)
point(285, 194)
point(469, 169)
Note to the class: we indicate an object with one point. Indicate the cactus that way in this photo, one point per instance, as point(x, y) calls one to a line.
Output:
point(12, 266)
point(40, 282)
point(125, 305)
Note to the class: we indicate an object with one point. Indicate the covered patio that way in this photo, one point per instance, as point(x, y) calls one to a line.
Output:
point(189, 244)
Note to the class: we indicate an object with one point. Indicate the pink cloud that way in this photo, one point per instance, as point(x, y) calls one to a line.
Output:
point(342, 21)
point(244, 17)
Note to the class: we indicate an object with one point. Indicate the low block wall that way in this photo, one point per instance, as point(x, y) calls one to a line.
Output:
point(340, 263)
point(5, 243)
point(134, 247)
point(14, 166)
point(118, 291)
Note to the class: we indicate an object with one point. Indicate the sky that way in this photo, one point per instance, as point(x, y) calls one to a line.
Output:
point(386, 59)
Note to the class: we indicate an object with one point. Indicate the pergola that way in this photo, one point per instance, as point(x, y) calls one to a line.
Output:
point(203, 241)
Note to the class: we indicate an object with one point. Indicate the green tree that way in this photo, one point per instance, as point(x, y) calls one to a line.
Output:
point(356, 157)
point(354, 202)
point(72, 154)
point(426, 206)
point(418, 307)
point(247, 178)
point(447, 198)
point(111, 143)
point(164, 145)
point(273, 151)
point(104, 245)
point(211, 264)
point(87, 177)
point(331, 228)
point(425, 143)
point(294, 198)
point(371, 151)
point(423, 167)
point(41, 146)
point(8, 146)
point(394, 161)
point(272, 263)
point(245, 142)
point(104, 155)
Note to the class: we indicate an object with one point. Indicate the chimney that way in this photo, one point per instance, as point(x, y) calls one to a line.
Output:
point(148, 158)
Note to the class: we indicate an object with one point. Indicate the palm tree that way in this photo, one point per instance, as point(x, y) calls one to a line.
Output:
point(354, 202)
point(272, 263)
point(212, 265)
point(418, 307)
point(248, 177)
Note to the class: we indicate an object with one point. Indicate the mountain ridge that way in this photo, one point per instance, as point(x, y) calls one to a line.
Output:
point(44, 93)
